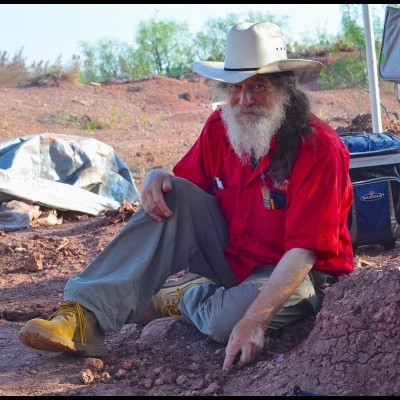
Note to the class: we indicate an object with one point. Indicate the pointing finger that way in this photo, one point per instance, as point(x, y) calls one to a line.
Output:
point(228, 362)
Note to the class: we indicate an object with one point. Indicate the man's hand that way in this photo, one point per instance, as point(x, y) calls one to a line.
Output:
point(247, 341)
point(247, 337)
point(155, 184)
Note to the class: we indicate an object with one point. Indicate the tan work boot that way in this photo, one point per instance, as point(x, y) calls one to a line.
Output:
point(166, 301)
point(72, 329)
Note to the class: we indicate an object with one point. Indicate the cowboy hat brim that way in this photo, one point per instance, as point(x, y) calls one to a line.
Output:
point(215, 70)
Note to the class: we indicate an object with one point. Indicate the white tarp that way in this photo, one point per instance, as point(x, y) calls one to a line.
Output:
point(65, 172)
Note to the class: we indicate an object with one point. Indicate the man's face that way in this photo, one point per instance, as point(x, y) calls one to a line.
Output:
point(250, 93)
point(253, 113)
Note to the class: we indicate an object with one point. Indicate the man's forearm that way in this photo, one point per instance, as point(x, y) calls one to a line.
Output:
point(284, 280)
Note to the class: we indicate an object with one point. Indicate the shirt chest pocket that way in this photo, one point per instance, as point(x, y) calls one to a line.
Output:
point(267, 225)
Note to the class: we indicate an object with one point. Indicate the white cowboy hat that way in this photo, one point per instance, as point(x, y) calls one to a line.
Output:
point(253, 49)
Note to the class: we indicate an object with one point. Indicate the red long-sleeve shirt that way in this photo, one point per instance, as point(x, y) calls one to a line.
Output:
point(311, 205)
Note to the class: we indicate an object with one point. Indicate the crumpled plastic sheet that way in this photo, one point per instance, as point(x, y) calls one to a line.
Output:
point(65, 172)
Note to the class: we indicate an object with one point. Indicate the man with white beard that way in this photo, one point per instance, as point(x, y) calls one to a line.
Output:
point(256, 212)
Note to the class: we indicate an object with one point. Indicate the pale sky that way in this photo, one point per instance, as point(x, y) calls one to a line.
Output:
point(46, 31)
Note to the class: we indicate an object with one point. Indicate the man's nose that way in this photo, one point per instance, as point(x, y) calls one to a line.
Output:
point(246, 97)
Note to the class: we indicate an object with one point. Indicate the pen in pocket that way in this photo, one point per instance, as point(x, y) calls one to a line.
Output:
point(268, 201)
point(218, 183)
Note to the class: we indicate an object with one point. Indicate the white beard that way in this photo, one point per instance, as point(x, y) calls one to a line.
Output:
point(253, 136)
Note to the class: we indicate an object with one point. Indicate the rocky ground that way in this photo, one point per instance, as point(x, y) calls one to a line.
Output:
point(350, 348)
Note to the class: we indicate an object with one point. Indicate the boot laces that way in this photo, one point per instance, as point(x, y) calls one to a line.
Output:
point(72, 307)
point(172, 309)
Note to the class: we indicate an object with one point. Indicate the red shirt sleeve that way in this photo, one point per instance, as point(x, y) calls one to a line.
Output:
point(320, 196)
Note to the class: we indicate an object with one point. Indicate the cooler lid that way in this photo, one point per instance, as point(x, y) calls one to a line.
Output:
point(361, 144)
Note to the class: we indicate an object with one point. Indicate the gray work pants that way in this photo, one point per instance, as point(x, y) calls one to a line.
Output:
point(119, 283)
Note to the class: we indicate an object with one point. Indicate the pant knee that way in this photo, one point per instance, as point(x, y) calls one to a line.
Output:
point(219, 328)
point(180, 185)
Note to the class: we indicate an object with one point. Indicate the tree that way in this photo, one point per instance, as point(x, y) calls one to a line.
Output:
point(164, 46)
point(104, 60)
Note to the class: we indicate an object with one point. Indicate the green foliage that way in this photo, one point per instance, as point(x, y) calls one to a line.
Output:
point(108, 59)
point(353, 32)
point(163, 47)
point(352, 71)
point(346, 72)
point(209, 43)
point(91, 125)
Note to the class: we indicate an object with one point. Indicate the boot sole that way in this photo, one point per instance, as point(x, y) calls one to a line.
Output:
point(40, 339)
